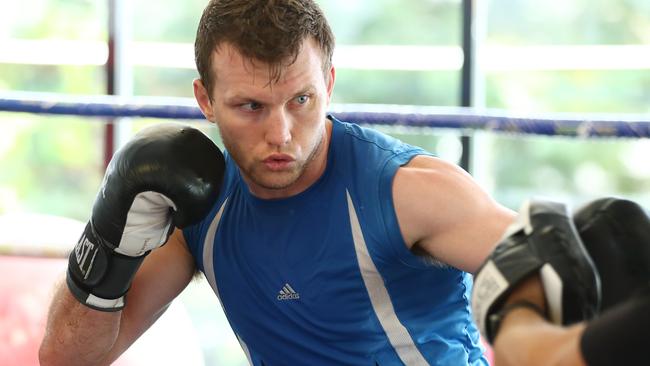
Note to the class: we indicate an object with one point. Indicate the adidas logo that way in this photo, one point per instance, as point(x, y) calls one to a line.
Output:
point(288, 293)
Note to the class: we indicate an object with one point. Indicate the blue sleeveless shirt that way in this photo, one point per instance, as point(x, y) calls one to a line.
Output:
point(324, 277)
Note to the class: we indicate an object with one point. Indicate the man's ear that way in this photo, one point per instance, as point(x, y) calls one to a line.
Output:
point(203, 98)
point(330, 83)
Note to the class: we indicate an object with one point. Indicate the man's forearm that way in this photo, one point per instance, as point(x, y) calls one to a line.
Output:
point(528, 339)
point(76, 334)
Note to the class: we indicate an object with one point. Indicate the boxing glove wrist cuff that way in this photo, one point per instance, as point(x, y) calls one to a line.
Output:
point(92, 301)
point(98, 276)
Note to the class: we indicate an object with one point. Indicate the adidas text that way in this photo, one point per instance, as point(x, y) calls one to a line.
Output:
point(289, 297)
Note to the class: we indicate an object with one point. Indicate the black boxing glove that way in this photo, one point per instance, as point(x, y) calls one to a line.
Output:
point(167, 175)
point(543, 240)
point(616, 233)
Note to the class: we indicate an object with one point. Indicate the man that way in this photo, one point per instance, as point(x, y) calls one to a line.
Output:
point(615, 233)
point(328, 244)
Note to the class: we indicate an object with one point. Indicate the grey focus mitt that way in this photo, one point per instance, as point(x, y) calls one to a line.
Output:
point(544, 241)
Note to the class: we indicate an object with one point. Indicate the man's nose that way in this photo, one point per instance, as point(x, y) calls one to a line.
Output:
point(278, 132)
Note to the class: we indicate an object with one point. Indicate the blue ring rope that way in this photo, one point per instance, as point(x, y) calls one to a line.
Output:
point(631, 126)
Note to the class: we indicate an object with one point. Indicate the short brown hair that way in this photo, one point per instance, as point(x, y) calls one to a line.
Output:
point(270, 31)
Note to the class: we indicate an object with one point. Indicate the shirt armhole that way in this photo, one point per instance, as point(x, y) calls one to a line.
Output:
point(388, 215)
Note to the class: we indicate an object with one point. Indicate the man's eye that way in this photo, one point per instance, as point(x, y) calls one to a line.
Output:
point(251, 106)
point(302, 99)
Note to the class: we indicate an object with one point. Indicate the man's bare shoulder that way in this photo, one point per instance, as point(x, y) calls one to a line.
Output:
point(424, 191)
point(432, 176)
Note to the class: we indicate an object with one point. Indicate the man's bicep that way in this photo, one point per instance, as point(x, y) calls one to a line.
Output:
point(164, 274)
point(446, 214)
point(471, 238)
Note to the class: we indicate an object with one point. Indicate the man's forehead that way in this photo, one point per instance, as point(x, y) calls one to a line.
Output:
point(228, 60)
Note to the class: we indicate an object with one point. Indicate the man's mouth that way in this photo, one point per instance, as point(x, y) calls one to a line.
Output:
point(278, 162)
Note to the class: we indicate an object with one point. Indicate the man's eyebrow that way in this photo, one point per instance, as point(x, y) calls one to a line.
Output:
point(242, 98)
point(307, 89)
point(239, 97)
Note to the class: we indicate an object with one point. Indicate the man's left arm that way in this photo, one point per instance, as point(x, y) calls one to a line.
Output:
point(444, 213)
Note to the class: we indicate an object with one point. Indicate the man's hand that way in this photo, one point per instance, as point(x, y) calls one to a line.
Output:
point(166, 176)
